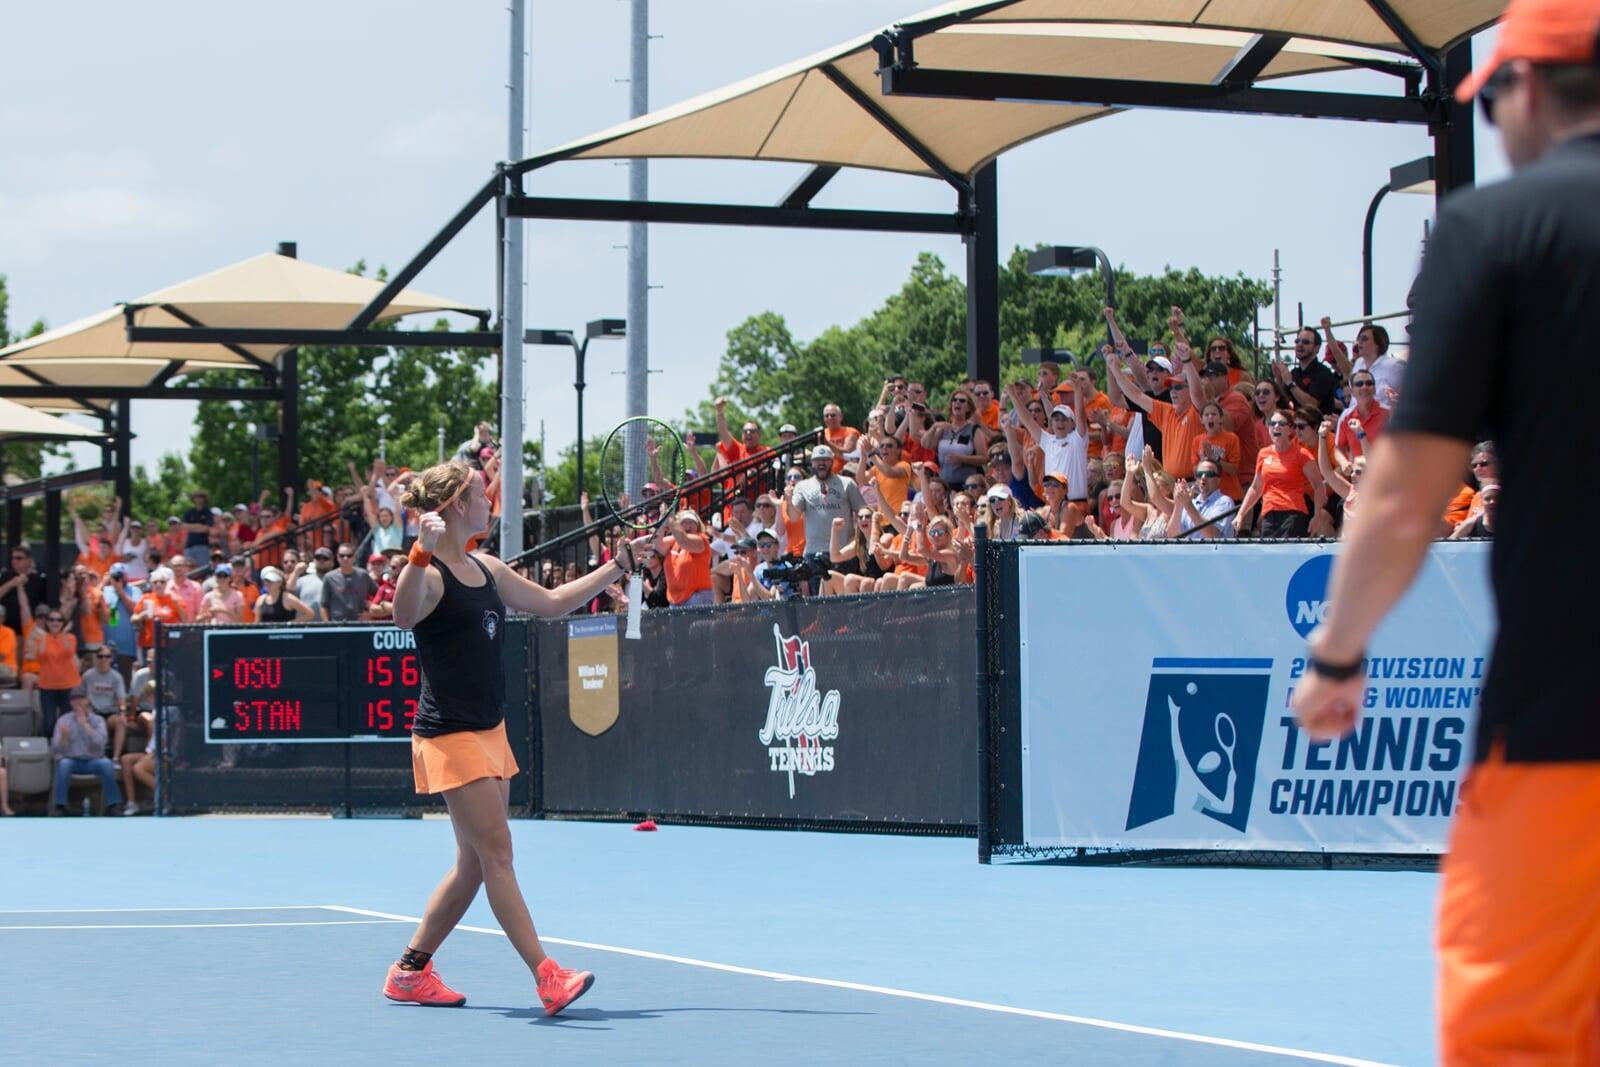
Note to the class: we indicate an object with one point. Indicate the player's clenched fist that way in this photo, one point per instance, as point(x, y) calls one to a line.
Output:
point(430, 527)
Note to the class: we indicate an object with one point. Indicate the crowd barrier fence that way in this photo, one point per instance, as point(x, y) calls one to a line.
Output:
point(837, 713)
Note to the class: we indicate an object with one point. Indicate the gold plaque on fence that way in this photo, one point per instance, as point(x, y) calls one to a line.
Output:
point(594, 688)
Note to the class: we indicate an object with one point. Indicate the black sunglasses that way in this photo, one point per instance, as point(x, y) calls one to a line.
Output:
point(1498, 82)
point(1207, 474)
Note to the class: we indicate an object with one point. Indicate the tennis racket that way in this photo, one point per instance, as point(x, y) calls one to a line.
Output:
point(642, 470)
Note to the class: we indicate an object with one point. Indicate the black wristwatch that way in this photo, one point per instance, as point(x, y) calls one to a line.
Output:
point(1336, 672)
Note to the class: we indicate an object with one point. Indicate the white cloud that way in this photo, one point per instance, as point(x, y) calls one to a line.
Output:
point(442, 135)
point(103, 214)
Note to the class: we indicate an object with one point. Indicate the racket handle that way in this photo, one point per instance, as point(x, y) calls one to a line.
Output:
point(635, 605)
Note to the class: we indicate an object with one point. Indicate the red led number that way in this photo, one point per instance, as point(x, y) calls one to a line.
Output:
point(380, 671)
point(380, 714)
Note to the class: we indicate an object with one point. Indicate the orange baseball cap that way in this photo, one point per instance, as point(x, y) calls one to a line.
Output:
point(1541, 31)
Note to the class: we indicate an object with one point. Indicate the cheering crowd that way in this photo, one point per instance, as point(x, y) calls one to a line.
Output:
point(1181, 444)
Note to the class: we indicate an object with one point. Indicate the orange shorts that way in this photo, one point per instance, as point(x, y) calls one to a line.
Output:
point(1519, 917)
point(452, 760)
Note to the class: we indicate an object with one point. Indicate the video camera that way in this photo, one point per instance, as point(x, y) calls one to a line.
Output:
point(798, 572)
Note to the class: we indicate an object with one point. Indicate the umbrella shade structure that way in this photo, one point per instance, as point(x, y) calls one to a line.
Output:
point(827, 109)
point(21, 423)
point(265, 291)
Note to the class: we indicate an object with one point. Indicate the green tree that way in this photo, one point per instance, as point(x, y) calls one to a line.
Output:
point(920, 332)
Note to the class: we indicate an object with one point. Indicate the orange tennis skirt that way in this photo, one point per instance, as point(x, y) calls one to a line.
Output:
point(452, 760)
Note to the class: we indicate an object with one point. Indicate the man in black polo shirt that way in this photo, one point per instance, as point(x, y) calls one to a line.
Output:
point(1512, 274)
point(1310, 381)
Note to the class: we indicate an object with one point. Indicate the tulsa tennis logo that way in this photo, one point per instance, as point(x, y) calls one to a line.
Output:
point(1202, 732)
point(797, 715)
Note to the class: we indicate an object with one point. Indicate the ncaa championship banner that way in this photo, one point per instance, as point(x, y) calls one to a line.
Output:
point(1155, 685)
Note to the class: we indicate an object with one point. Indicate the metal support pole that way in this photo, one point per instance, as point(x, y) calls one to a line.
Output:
point(289, 421)
point(122, 463)
point(980, 591)
point(289, 404)
point(1366, 250)
point(638, 380)
point(983, 279)
point(511, 325)
point(52, 545)
point(580, 350)
point(1453, 142)
point(1277, 307)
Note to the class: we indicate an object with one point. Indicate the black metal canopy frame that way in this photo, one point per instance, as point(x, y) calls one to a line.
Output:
point(1424, 100)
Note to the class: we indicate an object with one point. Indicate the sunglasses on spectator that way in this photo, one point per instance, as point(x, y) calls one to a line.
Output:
point(1301, 425)
point(1501, 80)
point(1279, 424)
point(1207, 474)
point(791, 478)
point(102, 655)
point(939, 532)
point(1266, 390)
point(1178, 387)
point(345, 555)
point(1479, 464)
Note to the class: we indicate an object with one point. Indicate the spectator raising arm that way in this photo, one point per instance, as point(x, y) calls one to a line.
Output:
point(1336, 349)
point(1326, 463)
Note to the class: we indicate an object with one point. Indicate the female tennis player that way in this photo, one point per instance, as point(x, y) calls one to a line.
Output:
point(455, 602)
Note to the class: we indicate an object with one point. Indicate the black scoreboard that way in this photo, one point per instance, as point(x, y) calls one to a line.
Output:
point(356, 683)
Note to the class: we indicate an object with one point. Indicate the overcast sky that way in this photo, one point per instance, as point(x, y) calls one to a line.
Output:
point(182, 136)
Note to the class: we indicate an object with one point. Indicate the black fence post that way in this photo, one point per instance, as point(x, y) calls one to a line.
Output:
point(980, 589)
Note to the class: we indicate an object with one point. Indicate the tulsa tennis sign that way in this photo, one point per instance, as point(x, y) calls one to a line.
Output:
point(798, 717)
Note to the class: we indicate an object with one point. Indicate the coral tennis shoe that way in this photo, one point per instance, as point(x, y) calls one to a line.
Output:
point(420, 987)
point(559, 986)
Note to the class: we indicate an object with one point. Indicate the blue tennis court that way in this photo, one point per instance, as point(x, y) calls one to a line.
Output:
point(250, 939)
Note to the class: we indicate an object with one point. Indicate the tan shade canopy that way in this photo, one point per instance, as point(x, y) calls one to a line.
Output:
point(268, 290)
point(17, 420)
point(800, 113)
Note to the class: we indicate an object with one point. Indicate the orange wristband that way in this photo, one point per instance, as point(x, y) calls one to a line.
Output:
point(418, 555)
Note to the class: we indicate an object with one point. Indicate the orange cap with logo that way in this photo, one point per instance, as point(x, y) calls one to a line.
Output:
point(1540, 31)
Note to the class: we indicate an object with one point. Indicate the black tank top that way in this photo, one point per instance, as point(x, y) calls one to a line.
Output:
point(458, 645)
point(275, 611)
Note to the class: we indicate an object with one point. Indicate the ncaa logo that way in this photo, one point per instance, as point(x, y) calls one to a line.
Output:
point(1203, 720)
point(1306, 599)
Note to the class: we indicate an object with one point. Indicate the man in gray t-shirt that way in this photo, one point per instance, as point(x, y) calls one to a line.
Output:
point(824, 497)
point(108, 693)
point(345, 591)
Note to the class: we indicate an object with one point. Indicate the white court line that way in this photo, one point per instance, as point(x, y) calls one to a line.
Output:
point(120, 911)
point(199, 926)
point(1004, 1009)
